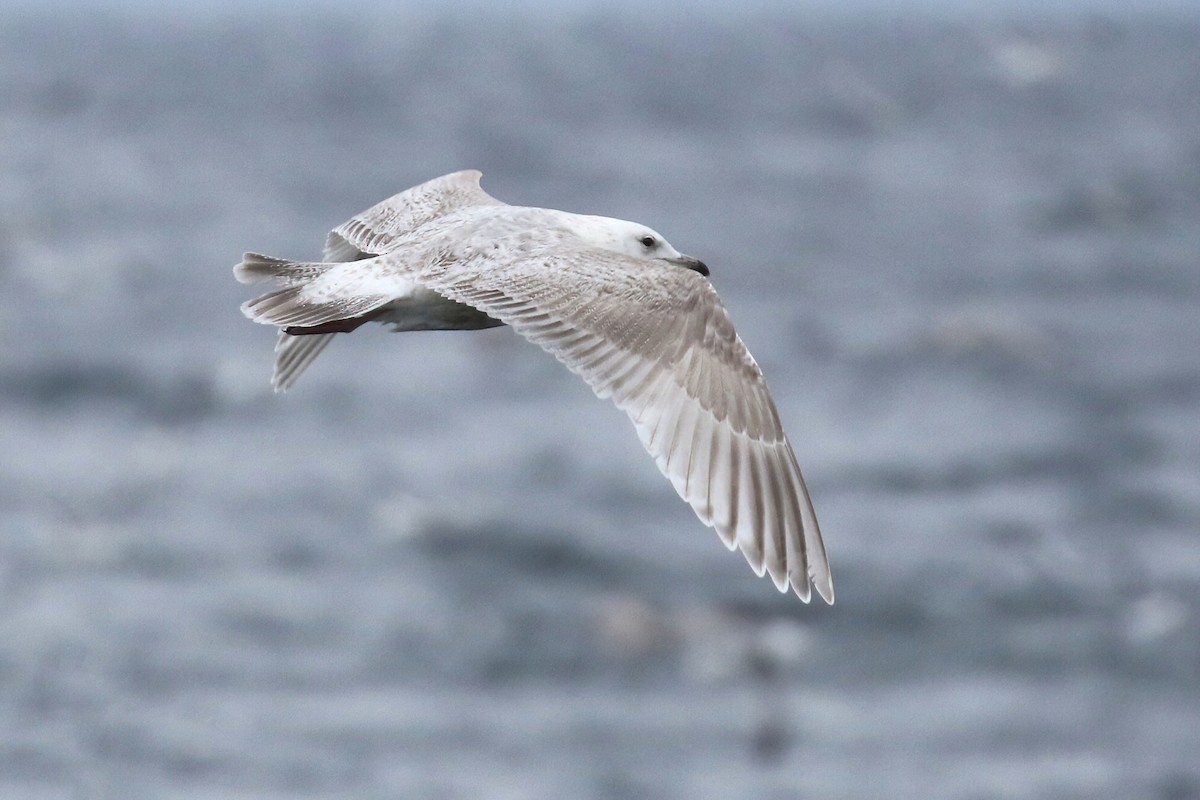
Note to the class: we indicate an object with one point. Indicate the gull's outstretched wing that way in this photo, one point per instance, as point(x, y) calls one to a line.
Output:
point(655, 338)
point(374, 231)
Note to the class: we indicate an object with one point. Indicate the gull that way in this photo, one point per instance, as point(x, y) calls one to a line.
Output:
point(612, 300)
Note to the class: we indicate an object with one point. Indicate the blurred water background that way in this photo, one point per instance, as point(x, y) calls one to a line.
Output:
point(963, 245)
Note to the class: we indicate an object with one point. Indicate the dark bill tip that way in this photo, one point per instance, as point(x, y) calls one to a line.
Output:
point(691, 263)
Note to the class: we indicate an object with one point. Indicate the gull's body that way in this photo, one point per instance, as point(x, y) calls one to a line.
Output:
point(610, 299)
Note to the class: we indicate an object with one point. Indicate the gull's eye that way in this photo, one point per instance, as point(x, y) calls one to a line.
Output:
point(648, 242)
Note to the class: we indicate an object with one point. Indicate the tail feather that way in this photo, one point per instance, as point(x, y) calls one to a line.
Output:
point(257, 268)
point(313, 295)
point(293, 354)
point(292, 308)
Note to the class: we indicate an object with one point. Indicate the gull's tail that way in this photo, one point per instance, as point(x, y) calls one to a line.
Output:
point(317, 300)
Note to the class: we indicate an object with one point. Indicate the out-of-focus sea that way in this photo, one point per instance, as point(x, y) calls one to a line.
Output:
point(965, 250)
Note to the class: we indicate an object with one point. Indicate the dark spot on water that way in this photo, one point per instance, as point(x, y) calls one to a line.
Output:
point(770, 741)
point(1180, 785)
point(171, 399)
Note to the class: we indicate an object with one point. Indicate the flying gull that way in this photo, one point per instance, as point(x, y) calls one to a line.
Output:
point(610, 299)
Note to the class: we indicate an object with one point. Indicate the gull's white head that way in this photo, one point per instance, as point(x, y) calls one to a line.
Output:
point(631, 239)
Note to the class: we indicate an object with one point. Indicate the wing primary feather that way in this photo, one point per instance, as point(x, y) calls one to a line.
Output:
point(818, 562)
point(749, 525)
point(647, 400)
point(776, 504)
point(699, 451)
point(795, 552)
point(732, 455)
point(682, 432)
point(719, 483)
point(663, 427)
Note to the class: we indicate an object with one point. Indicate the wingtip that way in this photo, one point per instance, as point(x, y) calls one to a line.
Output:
point(800, 587)
point(781, 580)
point(824, 587)
point(754, 557)
point(804, 586)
